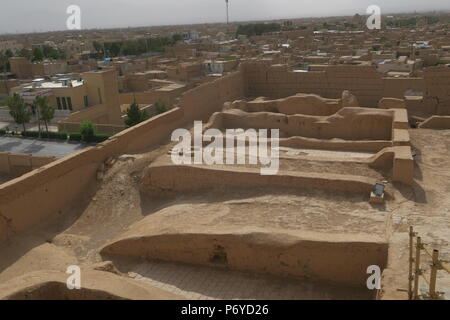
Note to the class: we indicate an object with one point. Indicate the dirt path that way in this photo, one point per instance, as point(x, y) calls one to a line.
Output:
point(426, 206)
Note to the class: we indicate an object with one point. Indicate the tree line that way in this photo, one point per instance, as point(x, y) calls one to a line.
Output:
point(47, 52)
point(37, 54)
point(22, 112)
point(411, 22)
point(133, 47)
point(257, 29)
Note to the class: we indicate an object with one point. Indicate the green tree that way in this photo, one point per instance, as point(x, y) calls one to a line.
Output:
point(4, 60)
point(130, 48)
point(87, 131)
point(50, 52)
point(257, 29)
point(115, 48)
point(4, 63)
point(98, 47)
point(160, 107)
point(46, 112)
point(38, 54)
point(135, 115)
point(19, 110)
point(25, 53)
point(177, 37)
point(9, 54)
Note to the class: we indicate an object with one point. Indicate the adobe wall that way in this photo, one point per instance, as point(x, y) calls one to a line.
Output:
point(336, 259)
point(147, 97)
point(437, 89)
point(21, 67)
point(18, 164)
point(7, 84)
point(97, 285)
point(337, 145)
point(348, 123)
point(307, 104)
point(54, 187)
point(180, 178)
point(110, 129)
point(153, 95)
point(393, 153)
point(365, 82)
point(103, 116)
point(102, 89)
point(37, 70)
point(97, 114)
point(323, 144)
point(397, 87)
point(37, 195)
point(436, 122)
point(277, 82)
point(137, 82)
point(201, 102)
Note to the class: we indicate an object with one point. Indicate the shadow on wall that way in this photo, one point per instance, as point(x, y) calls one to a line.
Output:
point(413, 193)
point(58, 291)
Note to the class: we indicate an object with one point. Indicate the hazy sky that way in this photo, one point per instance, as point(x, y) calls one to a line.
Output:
point(43, 15)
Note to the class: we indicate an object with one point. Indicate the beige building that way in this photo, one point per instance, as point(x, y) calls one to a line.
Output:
point(21, 67)
point(24, 69)
point(185, 71)
point(94, 96)
point(12, 45)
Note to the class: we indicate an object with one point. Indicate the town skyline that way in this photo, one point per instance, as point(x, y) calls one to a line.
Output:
point(136, 14)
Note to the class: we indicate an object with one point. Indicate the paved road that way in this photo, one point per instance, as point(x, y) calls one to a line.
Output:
point(28, 126)
point(39, 147)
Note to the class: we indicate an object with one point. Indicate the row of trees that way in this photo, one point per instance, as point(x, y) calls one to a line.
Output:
point(257, 29)
point(411, 22)
point(134, 47)
point(35, 55)
point(46, 52)
point(22, 111)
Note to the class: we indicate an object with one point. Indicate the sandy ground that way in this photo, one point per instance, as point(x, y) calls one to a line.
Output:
point(427, 205)
point(76, 236)
point(274, 209)
point(204, 283)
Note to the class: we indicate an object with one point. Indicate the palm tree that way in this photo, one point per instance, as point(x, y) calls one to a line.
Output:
point(19, 110)
point(46, 112)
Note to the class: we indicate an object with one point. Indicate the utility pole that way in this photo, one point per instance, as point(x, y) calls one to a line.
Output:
point(228, 21)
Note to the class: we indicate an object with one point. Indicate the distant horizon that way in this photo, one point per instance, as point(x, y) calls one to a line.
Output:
point(220, 22)
point(46, 16)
